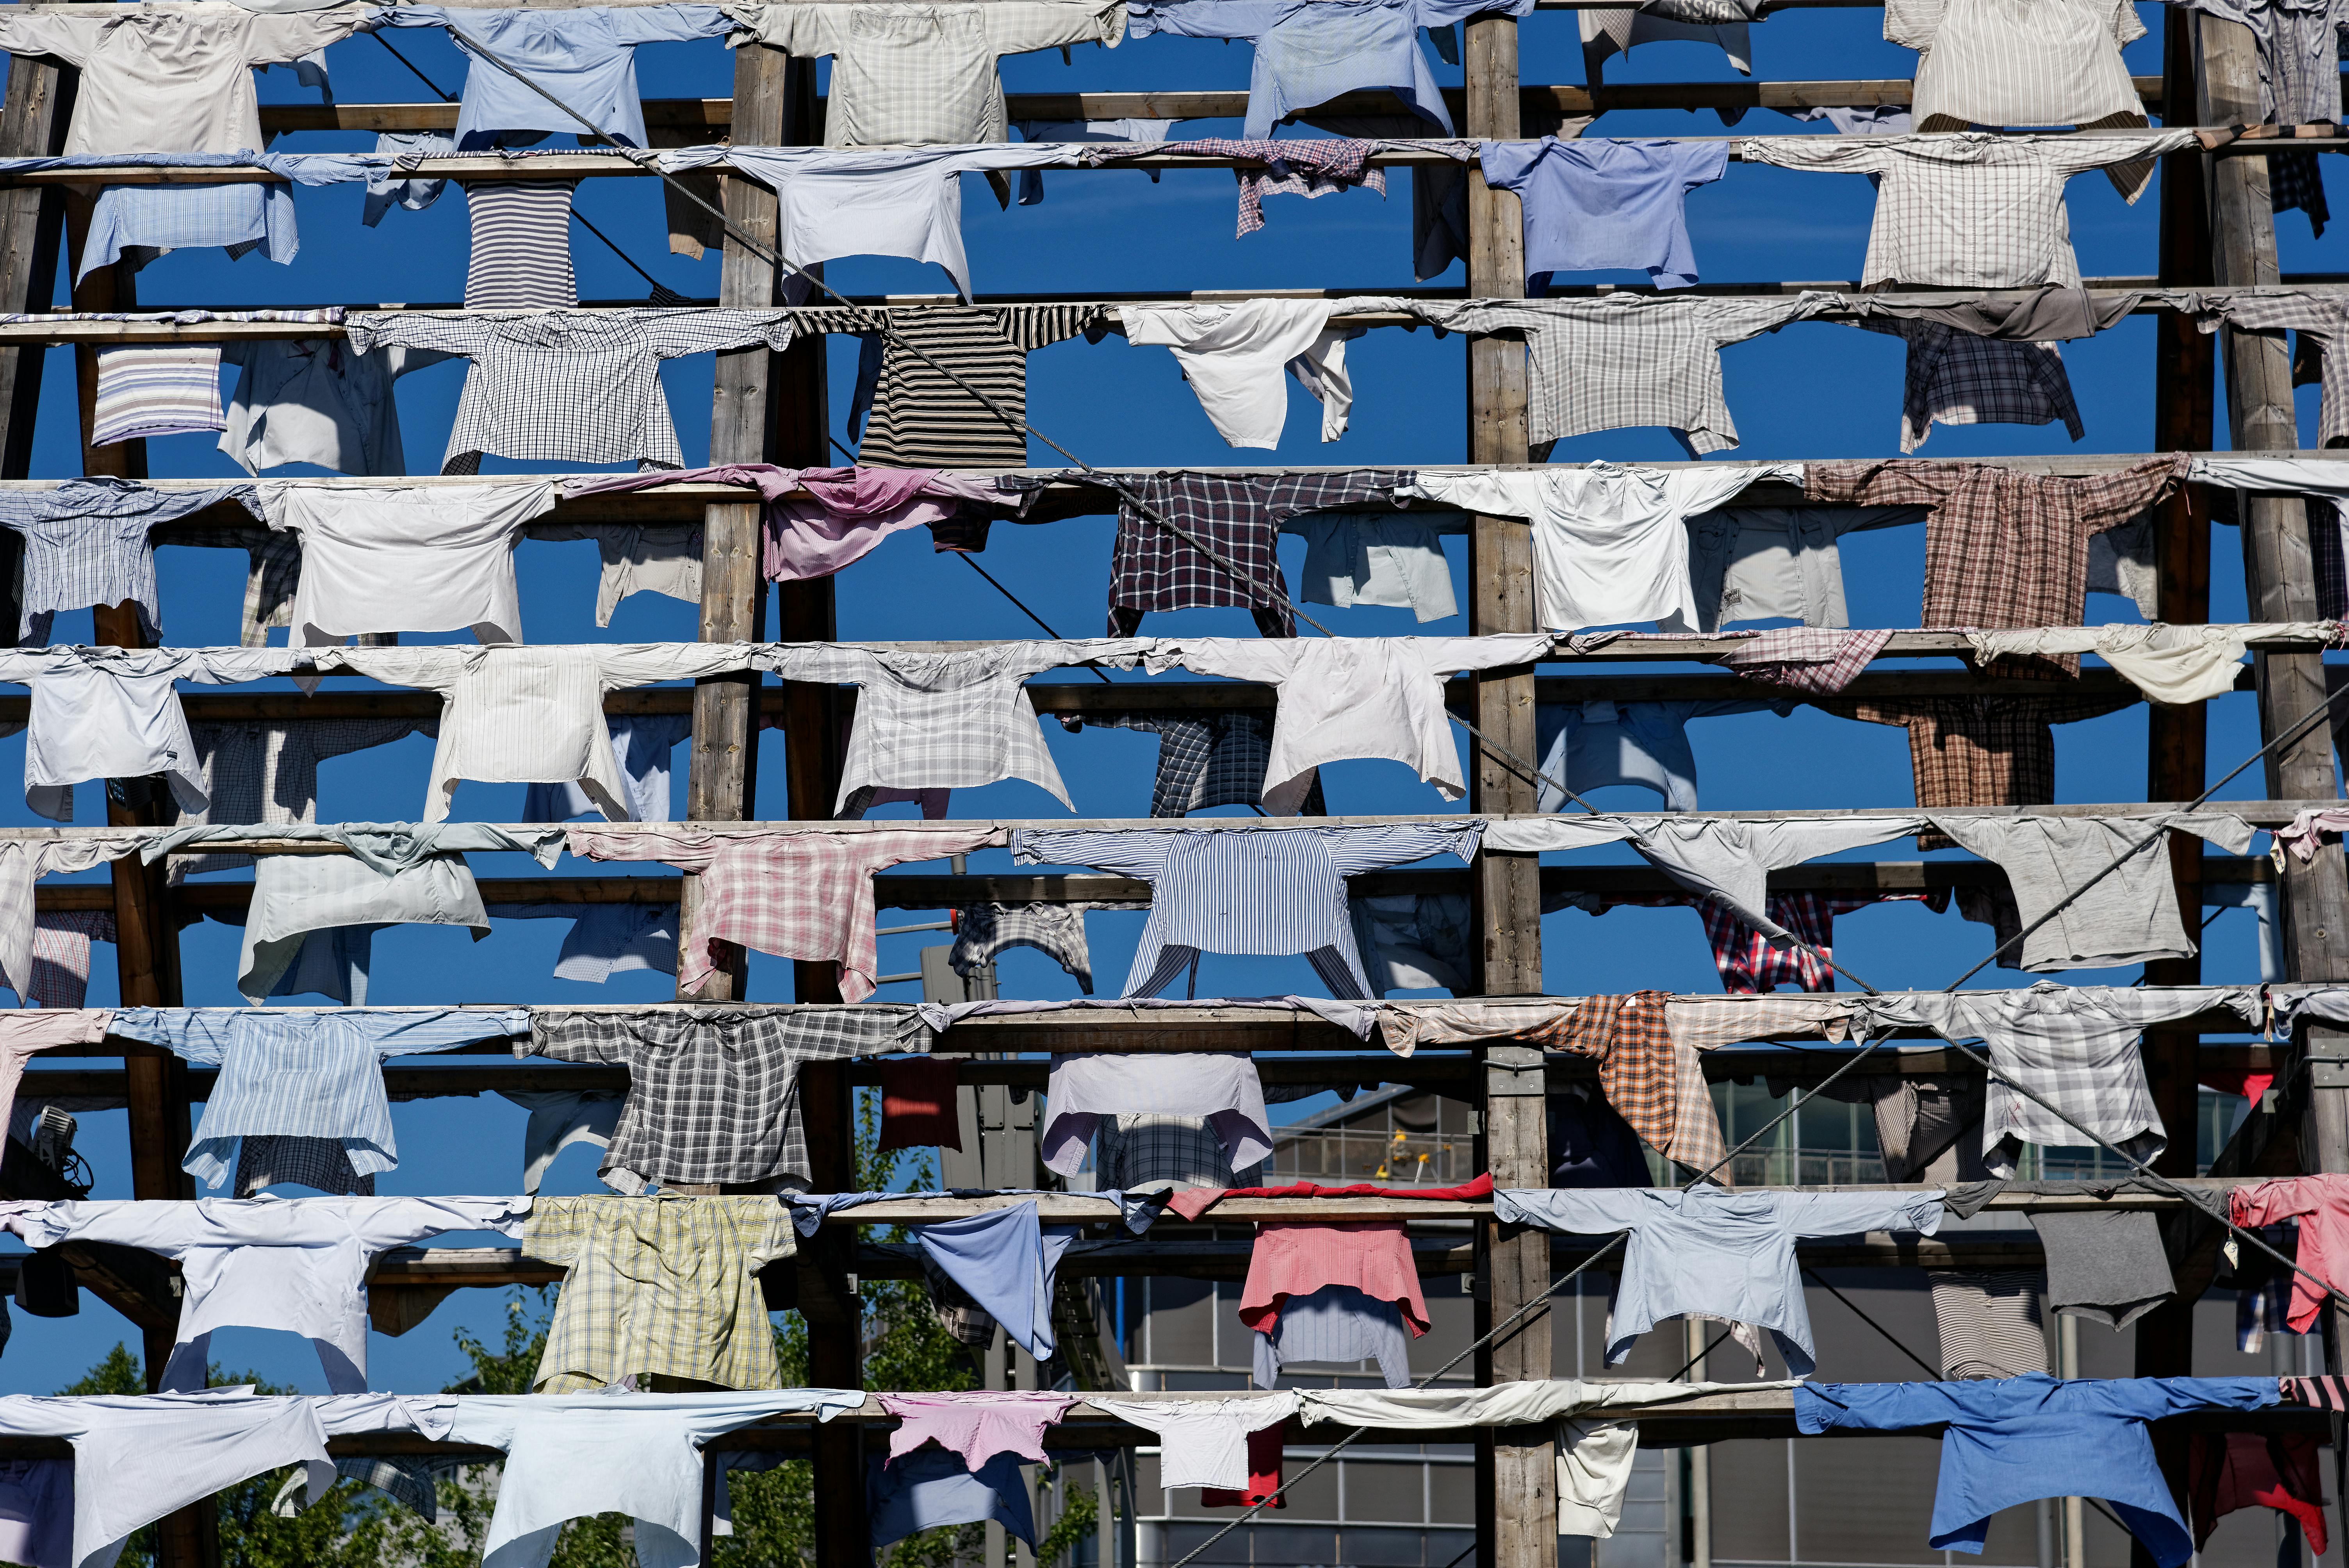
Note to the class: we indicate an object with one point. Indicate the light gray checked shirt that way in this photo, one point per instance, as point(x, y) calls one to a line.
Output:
point(267, 772)
point(1968, 210)
point(2318, 317)
point(2018, 62)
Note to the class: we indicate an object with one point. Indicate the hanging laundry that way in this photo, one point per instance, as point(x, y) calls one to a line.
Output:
point(1205, 760)
point(1202, 1442)
point(522, 246)
point(713, 1092)
point(1150, 1150)
point(1605, 204)
point(61, 942)
point(1337, 1323)
point(303, 1073)
point(23, 1033)
point(579, 386)
point(932, 1490)
point(87, 541)
point(2298, 70)
point(1609, 30)
point(2105, 1266)
point(1593, 744)
point(1610, 543)
point(323, 1164)
point(2318, 321)
point(1031, 180)
point(1266, 1449)
point(2260, 898)
point(1292, 1261)
point(1191, 1205)
point(794, 892)
point(645, 746)
point(267, 772)
point(1379, 558)
point(2018, 1439)
point(131, 225)
point(950, 720)
point(974, 1426)
point(1232, 356)
point(1085, 1092)
point(2174, 665)
point(1307, 168)
point(1812, 659)
point(659, 1290)
point(985, 932)
point(1705, 1251)
point(2230, 1470)
point(406, 560)
point(1969, 210)
point(1979, 750)
point(1662, 359)
point(315, 400)
point(1004, 1260)
point(114, 713)
point(638, 558)
point(37, 1512)
point(1346, 698)
point(1751, 964)
point(23, 862)
point(2321, 1204)
point(1990, 1323)
point(921, 1105)
point(145, 392)
point(1754, 563)
point(605, 940)
point(1646, 1074)
point(585, 55)
point(572, 1456)
point(273, 562)
point(298, 1264)
point(1414, 942)
point(964, 406)
point(2076, 1048)
point(173, 81)
point(894, 201)
point(912, 76)
point(1955, 378)
point(559, 1118)
point(1246, 890)
point(1591, 1145)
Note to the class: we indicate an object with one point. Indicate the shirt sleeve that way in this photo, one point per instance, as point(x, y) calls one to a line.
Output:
point(67, 37)
point(1239, 659)
point(1709, 485)
point(1889, 483)
point(275, 39)
point(2151, 1399)
point(2078, 153)
point(2266, 1203)
point(1139, 852)
point(1208, 18)
point(794, 29)
point(677, 333)
point(665, 23)
point(556, 1227)
point(1506, 163)
point(1701, 162)
point(1357, 850)
point(201, 1037)
point(1911, 24)
point(398, 1034)
point(641, 664)
point(687, 852)
point(447, 332)
point(1849, 1213)
point(426, 669)
point(1495, 495)
point(1819, 154)
point(1020, 26)
point(2111, 500)
point(1870, 1406)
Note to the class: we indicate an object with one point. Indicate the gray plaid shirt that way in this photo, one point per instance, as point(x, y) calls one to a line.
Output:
point(268, 773)
point(713, 1093)
point(2316, 317)
point(1958, 378)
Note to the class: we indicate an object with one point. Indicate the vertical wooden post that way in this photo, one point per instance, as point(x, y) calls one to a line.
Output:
point(33, 120)
point(1517, 1468)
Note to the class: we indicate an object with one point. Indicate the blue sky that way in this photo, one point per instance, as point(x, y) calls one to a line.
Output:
point(1813, 390)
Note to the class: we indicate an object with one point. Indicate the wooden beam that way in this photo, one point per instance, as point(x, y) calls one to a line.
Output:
point(32, 120)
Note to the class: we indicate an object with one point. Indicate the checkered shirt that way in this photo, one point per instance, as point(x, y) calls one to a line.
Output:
point(274, 570)
point(1632, 1037)
point(1625, 359)
point(985, 931)
point(965, 1321)
point(1137, 1151)
point(2331, 563)
point(140, 222)
point(1749, 965)
point(1969, 210)
point(1207, 760)
point(713, 1092)
point(1958, 378)
point(1816, 659)
point(61, 942)
point(2296, 180)
point(1306, 169)
point(1239, 517)
point(2321, 317)
point(579, 386)
point(264, 1161)
point(86, 543)
point(792, 893)
point(947, 721)
point(2003, 548)
point(658, 1287)
point(267, 772)
point(1980, 750)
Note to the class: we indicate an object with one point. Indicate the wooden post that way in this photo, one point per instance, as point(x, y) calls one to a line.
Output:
point(1517, 1468)
point(33, 120)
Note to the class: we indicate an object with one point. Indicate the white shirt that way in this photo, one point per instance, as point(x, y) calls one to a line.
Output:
point(2173, 665)
point(113, 713)
point(2018, 62)
point(1610, 541)
point(1201, 1442)
point(1344, 697)
point(406, 559)
point(572, 1455)
point(1394, 559)
point(534, 715)
point(1222, 1091)
point(297, 1264)
point(1232, 355)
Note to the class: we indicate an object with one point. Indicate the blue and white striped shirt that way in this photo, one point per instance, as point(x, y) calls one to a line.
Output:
point(304, 1072)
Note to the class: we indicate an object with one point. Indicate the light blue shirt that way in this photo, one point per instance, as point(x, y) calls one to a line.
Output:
point(1591, 745)
point(303, 1073)
point(586, 57)
point(1713, 1252)
point(2017, 1439)
point(929, 1488)
point(1594, 206)
point(1003, 1260)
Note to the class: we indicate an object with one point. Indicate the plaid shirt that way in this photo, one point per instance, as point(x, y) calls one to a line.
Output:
point(86, 543)
point(1815, 659)
point(1958, 379)
point(267, 772)
point(2003, 548)
point(61, 942)
point(985, 931)
point(1632, 1037)
point(1307, 168)
point(1132, 1152)
point(1239, 517)
point(945, 720)
point(274, 570)
point(713, 1092)
point(1980, 750)
point(568, 387)
point(1206, 759)
point(2320, 317)
point(1749, 965)
point(1625, 359)
point(792, 892)
point(658, 1287)
point(265, 1159)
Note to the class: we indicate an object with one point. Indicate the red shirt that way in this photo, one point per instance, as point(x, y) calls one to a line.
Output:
point(1371, 1255)
point(2321, 1204)
point(1197, 1201)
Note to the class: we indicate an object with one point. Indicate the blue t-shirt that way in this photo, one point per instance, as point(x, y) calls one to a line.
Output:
point(2018, 1439)
point(1594, 206)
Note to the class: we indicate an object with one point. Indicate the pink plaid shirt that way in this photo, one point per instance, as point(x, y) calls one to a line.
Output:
point(794, 892)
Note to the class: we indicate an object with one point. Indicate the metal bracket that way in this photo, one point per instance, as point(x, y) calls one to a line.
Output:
point(1515, 1072)
point(2328, 1074)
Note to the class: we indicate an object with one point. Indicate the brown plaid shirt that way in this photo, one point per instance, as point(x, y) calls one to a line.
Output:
point(1980, 750)
point(1632, 1039)
point(2003, 548)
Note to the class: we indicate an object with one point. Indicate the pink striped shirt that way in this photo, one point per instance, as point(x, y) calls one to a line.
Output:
point(1371, 1255)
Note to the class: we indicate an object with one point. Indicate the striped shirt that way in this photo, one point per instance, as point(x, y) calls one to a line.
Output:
point(140, 222)
point(86, 543)
point(1142, 1149)
point(144, 392)
point(581, 387)
point(1989, 1322)
point(312, 1073)
point(919, 419)
point(522, 246)
point(1335, 1324)
point(267, 772)
point(61, 941)
point(2019, 62)
point(1247, 889)
point(23, 862)
point(714, 1092)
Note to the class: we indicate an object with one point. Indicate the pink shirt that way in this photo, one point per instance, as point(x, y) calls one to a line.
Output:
point(2321, 1204)
point(976, 1426)
point(36, 1030)
point(1371, 1255)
